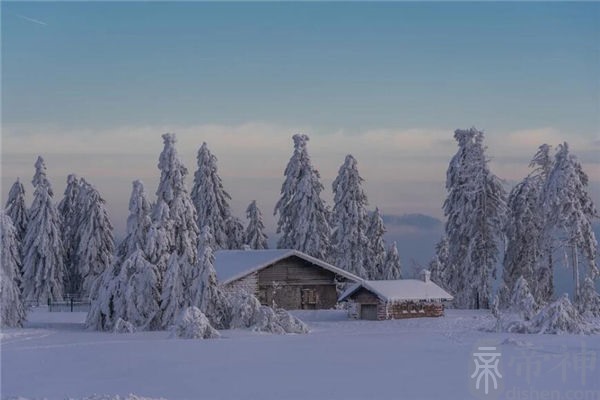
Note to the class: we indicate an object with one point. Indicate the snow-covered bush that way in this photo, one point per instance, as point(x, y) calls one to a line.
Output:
point(247, 312)
point(122, 326)
point(193, 324)
point(242, 306)
point(560, 317)
point(290, 323)
point(588, 302)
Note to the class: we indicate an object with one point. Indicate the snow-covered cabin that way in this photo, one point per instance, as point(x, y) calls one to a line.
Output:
point(404, 298)
point(289, 279)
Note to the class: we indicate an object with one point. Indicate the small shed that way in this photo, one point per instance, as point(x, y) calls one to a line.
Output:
point(288, 279)
point(397, 299)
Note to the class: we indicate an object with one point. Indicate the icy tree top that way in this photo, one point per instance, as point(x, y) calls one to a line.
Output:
point(40, 178)
point(300, 141)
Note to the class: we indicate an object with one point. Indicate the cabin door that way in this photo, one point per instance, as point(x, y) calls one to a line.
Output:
point(368, 311)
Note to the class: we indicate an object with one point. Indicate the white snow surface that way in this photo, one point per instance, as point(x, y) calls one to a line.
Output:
point(54, 357)
point(401, 289)
point(234, 264)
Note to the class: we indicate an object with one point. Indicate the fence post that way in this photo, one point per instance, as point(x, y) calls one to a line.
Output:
point(71, 304)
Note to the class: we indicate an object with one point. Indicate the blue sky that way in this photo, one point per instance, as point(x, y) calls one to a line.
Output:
point(93, 85)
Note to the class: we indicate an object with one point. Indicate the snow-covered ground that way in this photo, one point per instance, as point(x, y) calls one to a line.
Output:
point(429, 358)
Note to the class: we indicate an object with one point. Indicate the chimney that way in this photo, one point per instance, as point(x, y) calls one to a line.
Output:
point(425, 275)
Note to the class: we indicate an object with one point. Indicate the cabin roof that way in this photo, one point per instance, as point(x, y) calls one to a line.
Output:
point(232, 265)
point(400, 290)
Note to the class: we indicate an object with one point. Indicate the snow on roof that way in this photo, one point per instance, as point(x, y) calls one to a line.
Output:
point(400, 290)
point(232, 265)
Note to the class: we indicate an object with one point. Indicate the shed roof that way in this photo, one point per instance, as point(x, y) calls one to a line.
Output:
point(232, 265)
point(400, 290)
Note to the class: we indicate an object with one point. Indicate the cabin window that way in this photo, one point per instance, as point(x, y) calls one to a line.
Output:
point(309, 298)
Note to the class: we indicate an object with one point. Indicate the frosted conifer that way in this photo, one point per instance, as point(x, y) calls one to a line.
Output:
point(143, 297)
point(43, 266)
point(375, 267)
point(569, 212)
point(475, 211)
point(70, 211)
point(255, 236)
point(211, 199)
point(350, 245)
point(95, 238)
point(17, 210)
point(303, 215)
point(12, 310)
point(527, 254)
point(207, 296)
point(393, 269)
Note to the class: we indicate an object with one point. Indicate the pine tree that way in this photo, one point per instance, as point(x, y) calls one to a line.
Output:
point(138, 222)
point(439, 267)
point(375, 267)
point(303, 215)
point(475, 209)
point(207, 296)
point(109, 303)
point(522, 300)
point(182, 229)
point(211, 200)
point(393, 269)
point(43, 266)
point(94, 253)
point(349, 220)
point(526, 254)
point(235, 232)
point(12, 310)
point(569, 212)
point(17, 210)
point(159, 243)
point(255, 236)
point(172, 300)
point(143, 297)
point(70, 210)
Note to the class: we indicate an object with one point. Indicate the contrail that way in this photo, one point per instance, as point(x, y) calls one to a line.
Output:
point(35, 21)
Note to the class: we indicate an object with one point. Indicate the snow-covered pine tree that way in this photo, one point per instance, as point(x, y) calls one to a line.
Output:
point(43, 266)
point(255, 236)
point(525, 245)
point(235, 232)
point(172, 301)
point(182, 228)
point(138, 222)
point(349, 220)
point(207, 296)
point(569, 212)
point(12, 310)
point(392, 267)
point(70, 211)
point(17, 210)
point(303, 216)
point(108, 294)
point(159, 239)
point(522, 300)
point(95, 248)
point(143, 296)
point(588, 303)
point(439, 267)
point(375, 266)
point(211, 199)
point(475, 209)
